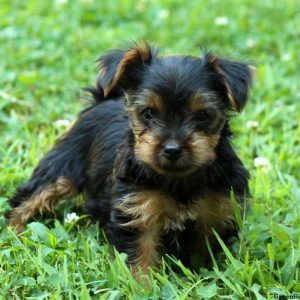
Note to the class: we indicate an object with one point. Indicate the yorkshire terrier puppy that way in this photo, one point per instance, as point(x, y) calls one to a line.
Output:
point(152, 154)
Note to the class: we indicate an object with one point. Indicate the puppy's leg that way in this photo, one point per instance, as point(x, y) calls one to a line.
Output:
point(40, 201)
point(136, 225)
point(60, 174)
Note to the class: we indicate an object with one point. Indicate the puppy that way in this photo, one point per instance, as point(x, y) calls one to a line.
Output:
point(152, 154)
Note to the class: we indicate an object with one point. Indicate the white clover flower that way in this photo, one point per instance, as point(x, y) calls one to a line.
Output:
point(62, 123)
point(252, 124)
point(163, 14)
point(221, 21)
point(263, 164)
point(251, 43)
point(286, 57)
point(71, 217)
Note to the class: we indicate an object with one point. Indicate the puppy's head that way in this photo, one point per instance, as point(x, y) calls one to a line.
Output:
point(177, 104)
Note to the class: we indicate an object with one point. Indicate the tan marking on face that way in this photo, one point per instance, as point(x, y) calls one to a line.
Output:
point(137, 126)
point(146, 147)
point(203, 147)
point(155, 101)
point(213, 140)
point(42, 201)
point(149, 99)
point(202, 100)
point(196, 103)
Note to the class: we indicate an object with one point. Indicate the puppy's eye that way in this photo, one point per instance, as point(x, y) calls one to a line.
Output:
point(202, 116)
point(148, 114)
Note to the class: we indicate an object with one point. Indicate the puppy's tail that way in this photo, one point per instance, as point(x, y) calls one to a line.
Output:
point(98, 92)
point(59, 175)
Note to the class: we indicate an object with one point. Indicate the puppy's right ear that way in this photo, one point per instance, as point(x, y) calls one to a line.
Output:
point(236, 76)
point(124, 67)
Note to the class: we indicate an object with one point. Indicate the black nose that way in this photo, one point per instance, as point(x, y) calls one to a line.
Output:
point(172, 151)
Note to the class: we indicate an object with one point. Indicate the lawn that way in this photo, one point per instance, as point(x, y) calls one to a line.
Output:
point(47, 55)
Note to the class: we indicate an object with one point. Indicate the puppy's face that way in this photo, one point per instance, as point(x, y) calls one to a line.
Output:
point(177, 105)
point(176, 121)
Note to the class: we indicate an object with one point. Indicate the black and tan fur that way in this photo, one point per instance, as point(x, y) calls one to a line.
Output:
point(152, 155)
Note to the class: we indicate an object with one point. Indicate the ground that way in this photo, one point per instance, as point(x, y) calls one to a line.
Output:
point(47, 55)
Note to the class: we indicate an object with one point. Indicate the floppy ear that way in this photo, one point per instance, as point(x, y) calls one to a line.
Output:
point(237, 79)
point(124, 67)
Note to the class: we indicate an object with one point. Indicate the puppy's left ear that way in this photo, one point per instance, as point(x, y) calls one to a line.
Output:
point(237, 78)
point(124, 67)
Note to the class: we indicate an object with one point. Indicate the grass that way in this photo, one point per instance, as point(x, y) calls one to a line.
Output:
point(46, 56)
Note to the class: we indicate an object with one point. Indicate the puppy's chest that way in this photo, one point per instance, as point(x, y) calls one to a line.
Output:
point(153, 208)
